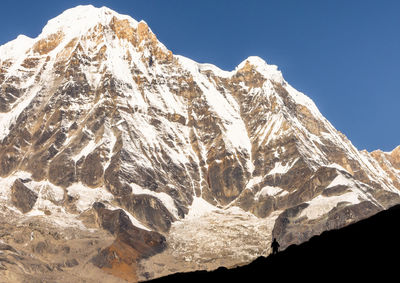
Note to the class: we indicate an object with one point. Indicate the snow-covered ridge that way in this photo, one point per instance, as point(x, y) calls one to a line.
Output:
point(15, 48)
point(269, 71)
point(397, 148)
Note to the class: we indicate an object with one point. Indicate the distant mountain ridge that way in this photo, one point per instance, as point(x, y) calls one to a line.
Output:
point(179, 165)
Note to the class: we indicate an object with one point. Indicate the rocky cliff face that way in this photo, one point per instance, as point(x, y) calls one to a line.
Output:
point(182, 165)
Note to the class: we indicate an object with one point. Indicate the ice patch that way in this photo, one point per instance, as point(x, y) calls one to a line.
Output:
point(199, 208)
point(337, 166)
point(87, 196)
point(270, 191)
point(86, 150)
point(282, 169)
point(253, 181)
point(341, 180)
point(220, 237)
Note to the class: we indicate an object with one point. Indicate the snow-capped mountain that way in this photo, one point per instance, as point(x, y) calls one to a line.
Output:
point(117, 155)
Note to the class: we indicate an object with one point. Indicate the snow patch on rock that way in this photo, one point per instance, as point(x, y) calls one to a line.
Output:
point(166, 199)
point(322, 205)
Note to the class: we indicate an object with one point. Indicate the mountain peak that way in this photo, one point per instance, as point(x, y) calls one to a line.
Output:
point(16, 47)
point(255, 61)
point(81, 18)
point(261, 66)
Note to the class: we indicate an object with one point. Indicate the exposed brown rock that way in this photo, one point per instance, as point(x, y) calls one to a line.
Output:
point(395, 157)
point(131, 244)
point(37, 250)
point(123, 30)
point(47, 44)
point(249, 76)
point(117, 222)
point(119, 260)
point(30, 62)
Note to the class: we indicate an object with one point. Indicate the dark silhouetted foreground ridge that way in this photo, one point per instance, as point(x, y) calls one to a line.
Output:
point(365, 250)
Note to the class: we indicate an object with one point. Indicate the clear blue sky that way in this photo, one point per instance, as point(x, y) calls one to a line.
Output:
point(344, 54)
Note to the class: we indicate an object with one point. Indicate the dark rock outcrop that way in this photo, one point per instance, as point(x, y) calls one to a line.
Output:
point(22, 197)
point(149, 210)
point(130, 245)
point(117, 222)
point(92, 170)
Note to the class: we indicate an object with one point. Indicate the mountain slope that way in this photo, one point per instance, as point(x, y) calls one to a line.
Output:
point(364, 250)
point(97, 110)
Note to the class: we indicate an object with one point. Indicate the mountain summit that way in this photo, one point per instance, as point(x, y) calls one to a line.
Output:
point(119, 159)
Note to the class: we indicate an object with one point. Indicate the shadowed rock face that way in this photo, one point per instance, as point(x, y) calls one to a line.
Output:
point(98, 110)
point(148, 209)
point(92, 170)
point(22, 197)
point(62, 171)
